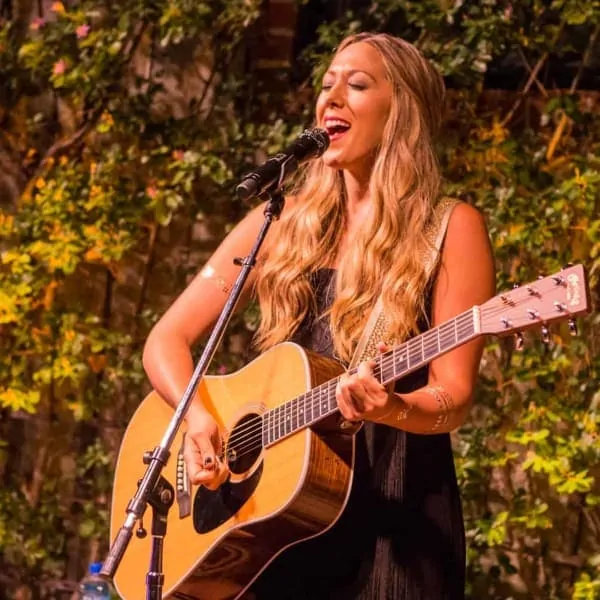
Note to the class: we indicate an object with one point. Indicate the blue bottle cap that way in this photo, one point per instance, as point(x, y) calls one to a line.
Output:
point(95, 568)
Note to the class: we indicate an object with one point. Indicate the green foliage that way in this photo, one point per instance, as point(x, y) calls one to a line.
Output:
point(125, 155)
point(527, 457)
point(108, 163)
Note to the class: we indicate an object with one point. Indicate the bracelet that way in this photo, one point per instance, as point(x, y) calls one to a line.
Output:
point(445, 404)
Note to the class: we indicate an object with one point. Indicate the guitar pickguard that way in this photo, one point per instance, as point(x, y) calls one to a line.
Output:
point(243, 449)
point(213, 508)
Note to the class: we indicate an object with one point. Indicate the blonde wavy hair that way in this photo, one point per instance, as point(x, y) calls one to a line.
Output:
point(388, 252)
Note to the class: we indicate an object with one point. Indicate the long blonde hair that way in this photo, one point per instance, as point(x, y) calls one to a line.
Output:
point(388, 252)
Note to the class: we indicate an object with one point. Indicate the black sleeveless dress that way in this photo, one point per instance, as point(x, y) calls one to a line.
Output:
point(401, 536)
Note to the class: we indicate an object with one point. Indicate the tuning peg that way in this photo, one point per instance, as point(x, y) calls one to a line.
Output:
point(545, 334)
point(573, 327)
point(519, 342)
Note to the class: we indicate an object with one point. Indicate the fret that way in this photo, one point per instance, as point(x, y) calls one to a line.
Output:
point(304, 410)
point(447, 331)
point(325, 397)
point(403, 360)
point(270, 423)
point(431, 344)
point(279, 423)
point(301, 409)
point(414, 354)
point(323, 402)
point(294, 424)
point(288, 418)
point(265, 429)
point(273, 426)
point(331, 401)
point(316, 405)
point(384, 372)
point(268, 418)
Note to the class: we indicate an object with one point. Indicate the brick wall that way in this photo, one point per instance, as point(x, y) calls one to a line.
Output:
point(275, 43)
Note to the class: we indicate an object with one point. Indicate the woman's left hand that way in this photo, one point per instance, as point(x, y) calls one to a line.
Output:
point(360, 395)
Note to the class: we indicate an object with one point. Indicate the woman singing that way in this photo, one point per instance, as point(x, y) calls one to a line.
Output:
point(359, 227)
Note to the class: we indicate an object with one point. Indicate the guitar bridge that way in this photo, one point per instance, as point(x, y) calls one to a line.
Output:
point(183, 485)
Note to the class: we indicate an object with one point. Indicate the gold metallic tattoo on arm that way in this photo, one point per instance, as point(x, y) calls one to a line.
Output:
point(210, 274)
point(399, 414)
point(445, 404)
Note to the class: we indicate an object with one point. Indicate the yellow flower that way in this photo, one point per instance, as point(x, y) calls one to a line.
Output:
point(58, 8)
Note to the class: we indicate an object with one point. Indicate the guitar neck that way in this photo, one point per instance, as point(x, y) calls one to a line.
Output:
point(318, 403)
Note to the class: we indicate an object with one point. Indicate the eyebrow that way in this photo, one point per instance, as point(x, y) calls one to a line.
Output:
point(350, 72)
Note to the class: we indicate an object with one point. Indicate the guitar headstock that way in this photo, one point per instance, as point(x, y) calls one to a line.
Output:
point(563, 295)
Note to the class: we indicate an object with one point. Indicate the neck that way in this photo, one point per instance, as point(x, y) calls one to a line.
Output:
point(357, 188)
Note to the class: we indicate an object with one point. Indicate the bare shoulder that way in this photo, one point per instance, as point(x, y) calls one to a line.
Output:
point(467, 273)
point(467, 250)
point(467, 231)
point(465, 218)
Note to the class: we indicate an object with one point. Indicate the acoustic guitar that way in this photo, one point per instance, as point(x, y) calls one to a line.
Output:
point(290, 454)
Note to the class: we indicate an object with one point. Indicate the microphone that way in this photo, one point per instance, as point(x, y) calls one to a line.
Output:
point(311, 143)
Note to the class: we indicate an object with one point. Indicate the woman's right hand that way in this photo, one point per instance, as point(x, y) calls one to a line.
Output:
point(202, 449)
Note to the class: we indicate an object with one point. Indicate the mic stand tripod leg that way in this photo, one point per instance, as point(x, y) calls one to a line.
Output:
point(158, 458)
point(161, 500)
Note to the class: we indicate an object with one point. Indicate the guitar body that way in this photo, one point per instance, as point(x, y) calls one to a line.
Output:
point(291, 460)
point(277, 496)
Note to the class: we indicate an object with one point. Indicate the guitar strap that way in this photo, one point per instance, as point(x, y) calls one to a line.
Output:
point(376, 329)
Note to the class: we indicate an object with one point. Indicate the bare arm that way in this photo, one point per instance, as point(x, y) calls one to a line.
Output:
point(465, 278)
point(167, 356)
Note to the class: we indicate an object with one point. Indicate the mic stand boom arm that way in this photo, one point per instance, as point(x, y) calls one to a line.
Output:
point(158, 458)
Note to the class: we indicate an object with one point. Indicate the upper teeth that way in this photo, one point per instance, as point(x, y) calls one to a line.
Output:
point(336, 123)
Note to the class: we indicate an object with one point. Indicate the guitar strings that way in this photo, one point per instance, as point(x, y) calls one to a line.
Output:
point(254, 432)
point(252, 440)
point(249, 438)
point(292, 409)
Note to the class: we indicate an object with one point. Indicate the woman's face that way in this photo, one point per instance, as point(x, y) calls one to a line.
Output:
point(353, 107)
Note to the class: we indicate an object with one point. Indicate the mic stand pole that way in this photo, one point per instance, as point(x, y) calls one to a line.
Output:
point(153, 488)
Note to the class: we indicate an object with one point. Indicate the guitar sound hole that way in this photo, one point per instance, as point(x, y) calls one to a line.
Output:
point(244, 445)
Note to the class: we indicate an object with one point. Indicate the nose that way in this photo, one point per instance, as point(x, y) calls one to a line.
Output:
point(335, 95)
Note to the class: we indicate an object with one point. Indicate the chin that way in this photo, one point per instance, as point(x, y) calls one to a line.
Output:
point(335, 161)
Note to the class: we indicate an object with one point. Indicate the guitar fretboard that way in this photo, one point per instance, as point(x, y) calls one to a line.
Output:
point(318, 403)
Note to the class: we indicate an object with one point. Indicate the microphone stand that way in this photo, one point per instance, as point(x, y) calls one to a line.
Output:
point(153, 489)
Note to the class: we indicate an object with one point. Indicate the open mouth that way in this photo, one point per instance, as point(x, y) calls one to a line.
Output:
point(336, 128)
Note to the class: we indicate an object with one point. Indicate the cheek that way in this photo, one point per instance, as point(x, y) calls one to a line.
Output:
point(320, 107)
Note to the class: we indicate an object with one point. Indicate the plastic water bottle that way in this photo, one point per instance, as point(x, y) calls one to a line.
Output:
point(92, 586)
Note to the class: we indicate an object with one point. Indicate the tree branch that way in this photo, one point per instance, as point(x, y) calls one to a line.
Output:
point(564, 118)
point(532, 78)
